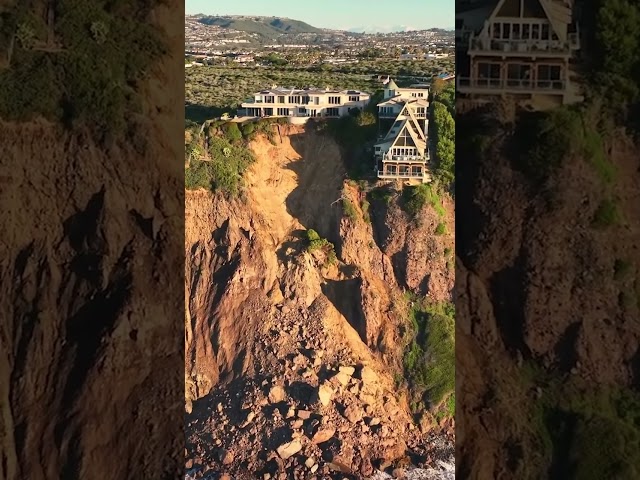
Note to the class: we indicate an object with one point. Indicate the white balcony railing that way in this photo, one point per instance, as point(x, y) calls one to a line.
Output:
point(382, 174)
point(512, 84)
point(478, 43)
point(406, 158)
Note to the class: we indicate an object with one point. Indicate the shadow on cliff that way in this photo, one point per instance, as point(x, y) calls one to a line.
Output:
point(470, 220)
point(320, 173)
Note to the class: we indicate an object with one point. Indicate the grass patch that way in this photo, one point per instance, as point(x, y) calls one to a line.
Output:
point(223, 171)
point(606, 214)
point(441, 229)
point(349, 209)
point(586, 416)
point(366, 215)
point(315, 242)
point(544, 139)
point(593, 150)
point(429, 360)
point(621, 269)
point(415, 198)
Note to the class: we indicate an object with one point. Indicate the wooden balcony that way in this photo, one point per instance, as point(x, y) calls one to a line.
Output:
point(406, 158)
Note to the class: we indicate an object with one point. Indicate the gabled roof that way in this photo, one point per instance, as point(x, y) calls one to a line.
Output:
point(408, 127)
point(391, 85)
point(558, 12)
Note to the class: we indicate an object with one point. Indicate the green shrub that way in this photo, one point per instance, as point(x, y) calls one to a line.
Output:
point(621, 268)
point(315, 242)
point(441, 229)
point(417, 197)
point(365, 211)
point(364, 118)
point(606, 214)
point(444, 130)
point(247, 129)
point(89, 82)
point(223, 172)
point(429, 360)
point(232, 132)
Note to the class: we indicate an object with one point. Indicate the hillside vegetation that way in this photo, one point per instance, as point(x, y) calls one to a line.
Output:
point(81, 69)
point(270, 27)
point(443, 127)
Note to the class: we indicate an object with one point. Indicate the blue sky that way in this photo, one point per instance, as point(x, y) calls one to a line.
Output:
point(340, 14)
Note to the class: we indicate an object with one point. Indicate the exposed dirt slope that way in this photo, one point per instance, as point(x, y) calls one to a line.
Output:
point(89, 294)
point(284, 347)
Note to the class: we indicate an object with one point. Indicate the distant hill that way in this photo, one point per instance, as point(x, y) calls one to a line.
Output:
point(265, 26)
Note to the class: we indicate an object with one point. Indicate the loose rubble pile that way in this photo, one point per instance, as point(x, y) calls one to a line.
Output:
point(318, 414)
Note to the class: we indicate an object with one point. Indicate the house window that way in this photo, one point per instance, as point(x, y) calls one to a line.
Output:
point(332, 112)
point(283, 112)
point(506, 31)
point(281, 99)
point(301, 110)
point(334, 100)
point(535, 31)
point(549, 76)
point(496, 30)
point(518, 75)
point(526, 31)
point(354, 99)
point(516, 32)
point(545, 32)
point(488, 74)
point(416, 171)
point(269, 99)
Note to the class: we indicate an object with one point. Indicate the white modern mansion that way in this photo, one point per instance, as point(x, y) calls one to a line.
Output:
point(403, 152)
point(302, 104)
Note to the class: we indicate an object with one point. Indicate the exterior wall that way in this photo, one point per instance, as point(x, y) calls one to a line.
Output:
point(545, 75)
point(404, 170)
point(314, 104)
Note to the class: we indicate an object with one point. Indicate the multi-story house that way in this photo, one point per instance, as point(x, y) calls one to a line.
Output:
point(518, 48)
point(301, 105)
point(402, 153)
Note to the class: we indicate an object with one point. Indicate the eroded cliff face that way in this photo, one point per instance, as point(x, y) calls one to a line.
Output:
point(88, 345)
point(90, 276)
point(542, 303)
point(270, 322)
